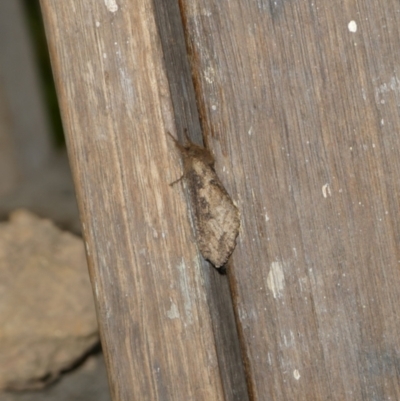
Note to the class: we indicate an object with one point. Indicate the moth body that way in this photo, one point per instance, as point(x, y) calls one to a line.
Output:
point(216, 218)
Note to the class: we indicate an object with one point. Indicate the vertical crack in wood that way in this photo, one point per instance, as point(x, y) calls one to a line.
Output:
point(184, 86)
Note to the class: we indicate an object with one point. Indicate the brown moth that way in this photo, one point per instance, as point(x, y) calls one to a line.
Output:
point(216, 218)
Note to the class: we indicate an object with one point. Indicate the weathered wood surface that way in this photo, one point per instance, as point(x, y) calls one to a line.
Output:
point(166, 317)
point(169, 23)
point(301, 112)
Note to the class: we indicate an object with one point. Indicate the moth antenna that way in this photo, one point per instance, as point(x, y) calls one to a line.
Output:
point(173, 138)
point(176, 181)
point(177, 144)
point(182, 149)
point(187, 138)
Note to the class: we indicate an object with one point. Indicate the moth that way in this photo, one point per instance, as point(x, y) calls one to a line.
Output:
point(216, 218)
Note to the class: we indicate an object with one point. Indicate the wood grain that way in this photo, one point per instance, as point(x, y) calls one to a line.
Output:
point(169, 24)
point(152, 295)
point(301, 114)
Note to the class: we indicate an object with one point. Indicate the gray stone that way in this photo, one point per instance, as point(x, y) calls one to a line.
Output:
point(47, 315)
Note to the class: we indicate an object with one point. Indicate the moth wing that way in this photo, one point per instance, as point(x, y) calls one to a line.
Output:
point(217, 219)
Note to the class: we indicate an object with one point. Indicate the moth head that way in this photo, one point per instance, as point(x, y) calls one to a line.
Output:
point(193, 151)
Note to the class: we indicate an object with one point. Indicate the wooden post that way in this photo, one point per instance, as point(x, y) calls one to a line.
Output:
point(161, 336)
point(300, 106)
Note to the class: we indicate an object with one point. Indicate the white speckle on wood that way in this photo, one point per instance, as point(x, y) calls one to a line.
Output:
point(382, 90)
point(97, 24)
point(173, 312)
point(276, 279)
point(326, 190)
point(352, 26)
point(289, 342)
point(209, 74)
point(296, 374)
point(111, 5)
point(242, 314)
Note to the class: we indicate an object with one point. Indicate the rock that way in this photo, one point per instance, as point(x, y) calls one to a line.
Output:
point(88, 382)
point(47, 314)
